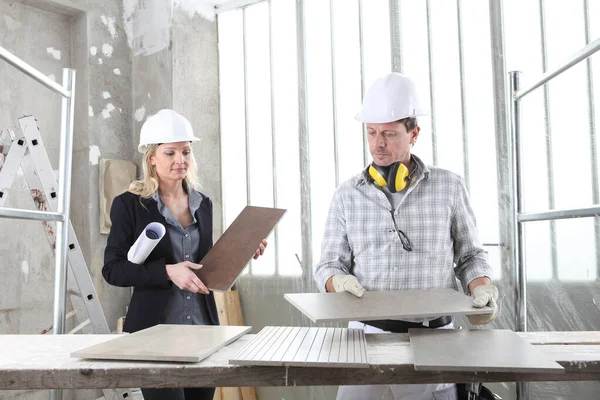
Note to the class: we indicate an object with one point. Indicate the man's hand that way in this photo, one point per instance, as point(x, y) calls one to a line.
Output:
point(182, 276)
point(345, 283)
point(485, 295)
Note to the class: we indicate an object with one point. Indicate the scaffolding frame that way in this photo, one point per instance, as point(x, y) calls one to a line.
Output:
point(61, 216)
point(519, 217)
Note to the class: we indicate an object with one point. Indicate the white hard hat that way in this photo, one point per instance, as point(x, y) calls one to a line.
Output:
point(391, 98)
point(166, 126)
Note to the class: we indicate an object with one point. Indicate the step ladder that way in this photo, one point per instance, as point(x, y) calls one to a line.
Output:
point(27, 152)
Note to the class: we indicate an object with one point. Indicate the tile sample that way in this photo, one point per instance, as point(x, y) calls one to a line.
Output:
point(184, 343)
point(376, 305)
point(226, 260)
point(305, 347)
point(477, 350)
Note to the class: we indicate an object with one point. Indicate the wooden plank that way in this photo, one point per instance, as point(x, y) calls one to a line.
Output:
point(226, 260)
point(476, 351)
point(230, 393)
point(558, 338)
point(218, 394)
point(376, 305)
point(229, 308)
point(248, 393)
point(183, 343)
point(230, 313)
point(43, 362)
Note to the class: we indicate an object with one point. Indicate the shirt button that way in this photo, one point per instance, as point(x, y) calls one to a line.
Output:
point(186, 235)
point(187, 256)
point(188, 317)
point(188, 297)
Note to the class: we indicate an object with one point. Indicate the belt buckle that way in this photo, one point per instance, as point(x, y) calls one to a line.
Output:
point(425, 324)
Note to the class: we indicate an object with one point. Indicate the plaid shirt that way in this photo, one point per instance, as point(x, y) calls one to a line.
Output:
point(361, 235)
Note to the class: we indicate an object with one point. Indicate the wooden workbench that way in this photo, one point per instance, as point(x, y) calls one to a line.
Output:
point(43, 362)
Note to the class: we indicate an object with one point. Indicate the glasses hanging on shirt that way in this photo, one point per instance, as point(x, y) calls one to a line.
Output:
point(406, 244)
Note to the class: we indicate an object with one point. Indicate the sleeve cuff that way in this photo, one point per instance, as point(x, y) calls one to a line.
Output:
point(473, 272)
point(157, 270)
point(322, 275)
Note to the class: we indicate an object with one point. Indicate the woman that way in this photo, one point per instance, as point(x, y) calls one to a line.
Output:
point(166, 290)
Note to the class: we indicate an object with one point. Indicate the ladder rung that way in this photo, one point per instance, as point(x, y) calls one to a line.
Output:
point(80, 326)
point(30, 214)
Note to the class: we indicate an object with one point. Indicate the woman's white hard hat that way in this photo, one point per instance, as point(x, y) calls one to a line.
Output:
point(166, 126)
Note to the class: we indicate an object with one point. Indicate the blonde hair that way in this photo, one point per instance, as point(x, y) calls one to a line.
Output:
point(148, 182)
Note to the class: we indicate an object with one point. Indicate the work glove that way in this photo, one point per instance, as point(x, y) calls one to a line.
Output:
point(485, 295)
point(347, 283)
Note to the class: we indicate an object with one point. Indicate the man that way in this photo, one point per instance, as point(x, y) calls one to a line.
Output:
point(401, 225)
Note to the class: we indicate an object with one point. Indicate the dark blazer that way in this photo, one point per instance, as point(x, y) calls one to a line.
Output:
point(151, 284)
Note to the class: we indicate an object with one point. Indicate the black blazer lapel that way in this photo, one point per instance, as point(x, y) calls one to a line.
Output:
point(204, 218)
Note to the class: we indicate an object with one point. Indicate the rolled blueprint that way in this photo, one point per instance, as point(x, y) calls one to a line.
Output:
point(146, 242)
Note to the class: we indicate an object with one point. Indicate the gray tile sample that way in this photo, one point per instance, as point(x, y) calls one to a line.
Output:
point(182, 343)
point(375, 305)
point(481, 350)
point(305, 347)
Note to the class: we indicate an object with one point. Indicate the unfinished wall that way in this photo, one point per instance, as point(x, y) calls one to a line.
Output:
point(175, 65)
point(50, 35)
point(196, 95)
point(26, 262)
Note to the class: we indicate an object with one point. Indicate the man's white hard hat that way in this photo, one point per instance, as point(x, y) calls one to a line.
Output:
point(391, 98)
point(166, 126)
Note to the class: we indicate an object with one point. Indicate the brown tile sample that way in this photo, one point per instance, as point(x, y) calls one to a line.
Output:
point(183, 343)
point(477, 350)
point(375, 305)
point(231, 253)
point(305, 347)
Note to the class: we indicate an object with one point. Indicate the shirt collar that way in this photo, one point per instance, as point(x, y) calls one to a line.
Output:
point(194, 200)
point(420, 171)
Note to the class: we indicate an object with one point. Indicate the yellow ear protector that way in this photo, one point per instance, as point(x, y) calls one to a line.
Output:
point(396, 174)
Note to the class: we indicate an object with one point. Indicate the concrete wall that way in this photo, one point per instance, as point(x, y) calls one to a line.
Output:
point(196, 95)
point(88, 40)
point(26, 262)
point(123, 51)
point(91, 40)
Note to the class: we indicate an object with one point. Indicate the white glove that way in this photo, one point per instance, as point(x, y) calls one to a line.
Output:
point(347, 283)
point(485, 295)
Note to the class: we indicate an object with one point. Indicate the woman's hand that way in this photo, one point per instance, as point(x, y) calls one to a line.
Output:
point(185, 279)
point(261, 249)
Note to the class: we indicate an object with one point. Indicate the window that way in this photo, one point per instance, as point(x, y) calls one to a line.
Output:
point(445, 46)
